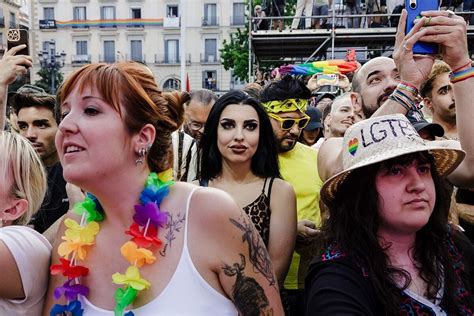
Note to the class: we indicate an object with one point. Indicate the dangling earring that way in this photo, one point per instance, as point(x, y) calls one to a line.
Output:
point(142, 152)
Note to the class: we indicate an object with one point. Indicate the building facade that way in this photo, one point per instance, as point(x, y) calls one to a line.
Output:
point(147, 31)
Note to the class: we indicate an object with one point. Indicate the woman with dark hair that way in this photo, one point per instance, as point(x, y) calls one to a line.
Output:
point(141, 244)
point(387, 246)
point(239, 156)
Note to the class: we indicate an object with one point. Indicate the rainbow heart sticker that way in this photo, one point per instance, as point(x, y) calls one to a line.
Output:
point(353, 145)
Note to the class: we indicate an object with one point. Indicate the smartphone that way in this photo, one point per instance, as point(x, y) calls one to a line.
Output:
point(414, 8)
point(327, 79)
point(17, 37)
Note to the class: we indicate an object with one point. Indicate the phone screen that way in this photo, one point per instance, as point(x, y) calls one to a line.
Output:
point(17, 37)
point(327, 79)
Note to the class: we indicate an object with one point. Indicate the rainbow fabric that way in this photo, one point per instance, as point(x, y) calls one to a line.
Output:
point(109, 23)
point(78, 238)
point(317, 67)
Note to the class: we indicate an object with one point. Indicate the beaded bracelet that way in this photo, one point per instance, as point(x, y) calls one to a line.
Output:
point(462, 75)
point(405, 86)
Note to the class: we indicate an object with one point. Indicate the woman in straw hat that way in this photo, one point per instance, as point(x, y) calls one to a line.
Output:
point(387, 245)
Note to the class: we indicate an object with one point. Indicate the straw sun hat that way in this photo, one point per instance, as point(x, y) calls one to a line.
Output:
point(382, 138)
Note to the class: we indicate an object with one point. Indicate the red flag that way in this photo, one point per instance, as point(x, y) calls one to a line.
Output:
point(188, 85)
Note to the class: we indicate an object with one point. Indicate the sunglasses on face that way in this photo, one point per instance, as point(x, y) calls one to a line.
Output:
point(288, 123)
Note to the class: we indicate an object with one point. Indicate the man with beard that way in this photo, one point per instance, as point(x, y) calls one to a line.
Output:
point(438, 97)
point(387, 86)
point(38, 122)
point(286, 101)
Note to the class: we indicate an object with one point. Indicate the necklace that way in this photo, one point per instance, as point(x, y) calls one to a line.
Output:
point(78, 238)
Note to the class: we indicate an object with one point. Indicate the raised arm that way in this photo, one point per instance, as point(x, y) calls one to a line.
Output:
point(10, 67)
point(282, 228)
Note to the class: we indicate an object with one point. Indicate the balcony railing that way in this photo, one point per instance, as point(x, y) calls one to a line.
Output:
point(171, 60)
point(237, 20)
point(80, 59)
point(107, 58)
point(209, 59)
point(210, 84)
point(211, 21)
point(171, 22)
point(135, 57)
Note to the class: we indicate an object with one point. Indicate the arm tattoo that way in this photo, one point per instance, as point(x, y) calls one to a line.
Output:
point(249, 296)
point(258, 254)
point(173, 225)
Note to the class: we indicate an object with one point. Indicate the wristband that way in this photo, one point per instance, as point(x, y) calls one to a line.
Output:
point(461, 75)
point(405, 86)
point(404, 100)
point(469, 63)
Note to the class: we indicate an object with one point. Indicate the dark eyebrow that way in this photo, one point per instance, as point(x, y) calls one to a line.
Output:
point(446, 87)
point(37, 122)
point(375, 72)
point(227, 119)
point(250, 121)
point(85, 98)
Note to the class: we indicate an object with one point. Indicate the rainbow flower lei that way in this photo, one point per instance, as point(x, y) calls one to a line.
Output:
point(78, 238)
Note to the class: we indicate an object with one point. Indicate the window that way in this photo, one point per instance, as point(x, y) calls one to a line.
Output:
point(210, 16)
point(136, 13)
point(109, 51)
point(107, 13)
point(136, 50)
point(12, 20)
point(238, 17)
point(172, 84)
point(210, 50)
point(79, 13)
point(171, 51)
point(172, 11)
point(209, 79)
point(48, 13)
point(81, 56)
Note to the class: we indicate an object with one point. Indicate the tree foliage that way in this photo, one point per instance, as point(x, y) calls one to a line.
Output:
point(235, 54)
point(45, 81)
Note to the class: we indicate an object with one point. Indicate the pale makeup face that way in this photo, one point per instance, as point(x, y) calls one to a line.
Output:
point(344, 116)
point(378, 78)
point(286, 139)
point(38, 125)
point(406, 198)
point(92, 140)
point(238, 133)
point(441, 101)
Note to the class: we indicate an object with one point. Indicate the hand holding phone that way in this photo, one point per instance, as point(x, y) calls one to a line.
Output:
point(414, 9)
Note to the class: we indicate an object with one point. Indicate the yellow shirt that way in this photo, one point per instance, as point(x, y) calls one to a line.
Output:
point(300, 168)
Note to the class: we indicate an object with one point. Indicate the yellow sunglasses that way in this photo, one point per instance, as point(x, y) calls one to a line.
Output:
point(288, 123)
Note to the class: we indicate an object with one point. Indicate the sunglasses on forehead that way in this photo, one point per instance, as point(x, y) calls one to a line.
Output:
point(288, 123)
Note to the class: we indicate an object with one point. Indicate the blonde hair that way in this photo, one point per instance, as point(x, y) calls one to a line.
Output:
point(20, 163)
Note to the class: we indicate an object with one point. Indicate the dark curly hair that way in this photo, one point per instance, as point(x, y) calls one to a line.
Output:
point(133, 86)
point(353, 224)
point(264, 161)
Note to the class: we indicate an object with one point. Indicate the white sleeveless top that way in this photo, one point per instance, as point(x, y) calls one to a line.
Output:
point(187, 293)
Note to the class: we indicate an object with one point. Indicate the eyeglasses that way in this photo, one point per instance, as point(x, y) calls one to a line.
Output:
point(288, 123)
point(195, 126)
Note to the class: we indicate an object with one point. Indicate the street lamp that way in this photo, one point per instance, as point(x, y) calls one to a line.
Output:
point(52, 61)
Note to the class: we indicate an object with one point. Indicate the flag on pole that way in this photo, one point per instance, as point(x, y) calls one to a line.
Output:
point(188, 85)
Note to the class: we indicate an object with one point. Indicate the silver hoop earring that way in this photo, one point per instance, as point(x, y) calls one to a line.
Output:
point(142, 153)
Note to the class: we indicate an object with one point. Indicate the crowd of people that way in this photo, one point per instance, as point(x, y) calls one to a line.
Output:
point(277, 199)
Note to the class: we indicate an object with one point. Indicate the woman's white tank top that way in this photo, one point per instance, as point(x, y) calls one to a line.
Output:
point(187, 293)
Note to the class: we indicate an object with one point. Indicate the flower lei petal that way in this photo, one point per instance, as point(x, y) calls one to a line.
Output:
point(67, 270)
point(144, 240)
point(149, 214)
point(70, 291)
point(88, 208)
point(123, 298)
point(74, 307)
point(131, 278)
point(76, 232)
point(135, 255)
